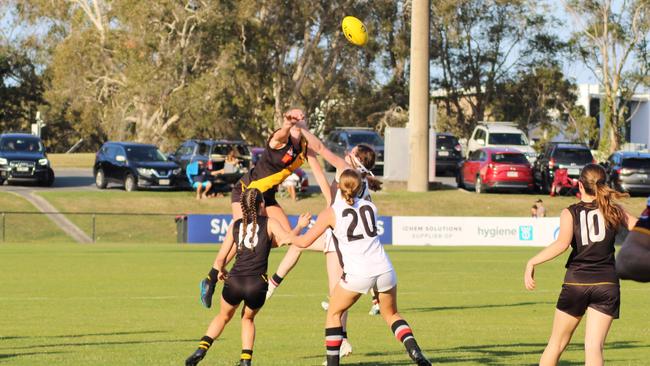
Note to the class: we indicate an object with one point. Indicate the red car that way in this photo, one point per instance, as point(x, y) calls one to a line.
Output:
point(496, 168)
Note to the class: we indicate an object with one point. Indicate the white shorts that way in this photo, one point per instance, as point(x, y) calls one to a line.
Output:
point(291, 180)
point(362, 285)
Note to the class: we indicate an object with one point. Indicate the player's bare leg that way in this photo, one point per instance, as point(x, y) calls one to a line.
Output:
point(334, 274)
point(598, 325)
point(399, 326)
point(340, 302)
point(226, 312)
point(247, 335)
point(563, 327)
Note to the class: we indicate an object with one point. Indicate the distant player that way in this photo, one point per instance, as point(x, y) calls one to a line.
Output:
point(252, 236)
point(285, 151)
point(365, 265)
point(633, 260)
point(590, 284)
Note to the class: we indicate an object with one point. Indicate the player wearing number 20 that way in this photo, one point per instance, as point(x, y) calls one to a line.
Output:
point(590, 285)
point(365, 265)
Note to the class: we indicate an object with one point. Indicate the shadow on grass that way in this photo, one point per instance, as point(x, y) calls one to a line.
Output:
point(7, 356)
point(484, 306)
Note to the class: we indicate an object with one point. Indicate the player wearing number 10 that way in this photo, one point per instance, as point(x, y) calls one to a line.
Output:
point(590, 285)
point(365, 266)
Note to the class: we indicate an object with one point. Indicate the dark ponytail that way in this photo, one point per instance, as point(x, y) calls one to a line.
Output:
point(251, 201)
point(367, 156)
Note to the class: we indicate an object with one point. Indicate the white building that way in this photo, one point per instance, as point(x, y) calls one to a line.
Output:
point(637, 129)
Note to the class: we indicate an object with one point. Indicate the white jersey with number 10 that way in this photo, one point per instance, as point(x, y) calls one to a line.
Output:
point(356, 239)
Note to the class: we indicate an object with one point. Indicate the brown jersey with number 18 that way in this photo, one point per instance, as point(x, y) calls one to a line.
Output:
point(592, 259)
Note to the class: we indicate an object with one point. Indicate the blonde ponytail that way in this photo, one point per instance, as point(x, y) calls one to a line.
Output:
point(350, 185)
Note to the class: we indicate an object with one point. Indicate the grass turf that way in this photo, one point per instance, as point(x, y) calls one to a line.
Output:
point(121, 304)
point(77, 160)
point(159, 229)
point(26, 228)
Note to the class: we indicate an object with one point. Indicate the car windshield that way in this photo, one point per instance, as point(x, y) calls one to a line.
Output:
point(21, 144)
point(509, 158)
point(371, 139)
point(578, 156)
point(144, 153)
point(444, 142)
point(636, 163)
point(507, 139)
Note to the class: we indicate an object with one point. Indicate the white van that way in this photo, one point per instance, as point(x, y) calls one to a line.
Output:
point(500, 134)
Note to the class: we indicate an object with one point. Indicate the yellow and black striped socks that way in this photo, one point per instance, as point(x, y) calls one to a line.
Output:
point(246, 354)
point(205, 343)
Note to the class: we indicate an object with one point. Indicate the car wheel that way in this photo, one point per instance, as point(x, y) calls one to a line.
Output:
point(478, 186)
point(130, 183)
point(100, 179)
point(50, 178)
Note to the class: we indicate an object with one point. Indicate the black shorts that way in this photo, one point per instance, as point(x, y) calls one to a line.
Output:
point(269, 196)
point(249, 289)
point(575, 299)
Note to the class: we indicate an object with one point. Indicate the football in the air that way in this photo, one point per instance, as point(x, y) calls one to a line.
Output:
point(354, 30)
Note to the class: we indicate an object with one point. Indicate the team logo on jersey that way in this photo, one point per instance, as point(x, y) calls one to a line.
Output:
point(245, 239)
point(288, 156)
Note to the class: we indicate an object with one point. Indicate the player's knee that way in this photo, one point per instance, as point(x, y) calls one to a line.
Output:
point(593, 346)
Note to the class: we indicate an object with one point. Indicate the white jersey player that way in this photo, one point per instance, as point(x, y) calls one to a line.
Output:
point(365, 266)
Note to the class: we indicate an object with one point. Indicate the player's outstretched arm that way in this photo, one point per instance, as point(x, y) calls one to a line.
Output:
point(319, 148)
point(281, 136)
point(282, 237)
point(325, 219)
point(631, 220)
point(556, 248)
point(319, 174)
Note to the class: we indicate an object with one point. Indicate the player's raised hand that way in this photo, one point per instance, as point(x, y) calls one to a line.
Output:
point(529, 277)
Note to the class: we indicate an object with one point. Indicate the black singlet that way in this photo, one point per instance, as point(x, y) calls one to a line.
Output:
point(592, 258)
point(252, 258)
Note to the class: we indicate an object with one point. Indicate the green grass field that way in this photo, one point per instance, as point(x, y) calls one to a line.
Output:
point(76, 160)
point(137, 304)
point(22, 228)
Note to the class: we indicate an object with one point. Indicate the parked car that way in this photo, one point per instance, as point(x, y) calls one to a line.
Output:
point(23, 157)
point(213, 153)
point(560, 155)
point(448, 153)
point(496, 168)
point(500, 135)
point(134, 166)
point(628, 171)
point(343, 139)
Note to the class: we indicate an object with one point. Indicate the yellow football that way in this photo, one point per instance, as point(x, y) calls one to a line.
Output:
point(354, 30)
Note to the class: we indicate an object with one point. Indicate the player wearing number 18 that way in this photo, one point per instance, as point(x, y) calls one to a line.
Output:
point(591, 285)
point(365, 266)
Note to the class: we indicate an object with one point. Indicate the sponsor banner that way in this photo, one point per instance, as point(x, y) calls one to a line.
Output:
point(506, 231)
point(213, 228)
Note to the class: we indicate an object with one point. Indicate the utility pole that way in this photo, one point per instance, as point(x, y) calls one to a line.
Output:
point(418, 180)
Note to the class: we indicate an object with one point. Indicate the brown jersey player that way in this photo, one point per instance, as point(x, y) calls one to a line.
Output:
point(633, 260)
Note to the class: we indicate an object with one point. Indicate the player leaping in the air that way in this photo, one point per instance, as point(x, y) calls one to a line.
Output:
point(591, 285)
point(633, 261)
point(252, 237)
point(365, 265)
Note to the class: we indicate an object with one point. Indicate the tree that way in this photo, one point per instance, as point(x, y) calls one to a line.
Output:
point(612, 41)
point(478, 45)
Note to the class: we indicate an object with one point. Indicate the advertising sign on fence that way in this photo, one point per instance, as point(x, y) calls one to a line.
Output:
point(213, 228)
point(508, 231)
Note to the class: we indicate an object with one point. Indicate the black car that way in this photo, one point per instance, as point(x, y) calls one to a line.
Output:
point(448, 153)
point(628, 171)
point(342, 140)
point(134, 165)
point(213, 153)
point(560, 155)
point(23, 158)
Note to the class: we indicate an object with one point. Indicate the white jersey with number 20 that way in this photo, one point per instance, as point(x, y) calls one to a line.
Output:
point(356, 238)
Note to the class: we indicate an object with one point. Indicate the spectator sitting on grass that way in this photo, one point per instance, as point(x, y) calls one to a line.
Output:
point(541, 210)
point(533, 211)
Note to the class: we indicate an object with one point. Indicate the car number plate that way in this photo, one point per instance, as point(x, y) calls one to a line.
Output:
point(22, 169)
point(573, 171)
point(163, 182)
point(443, 153)
point(512, 174)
